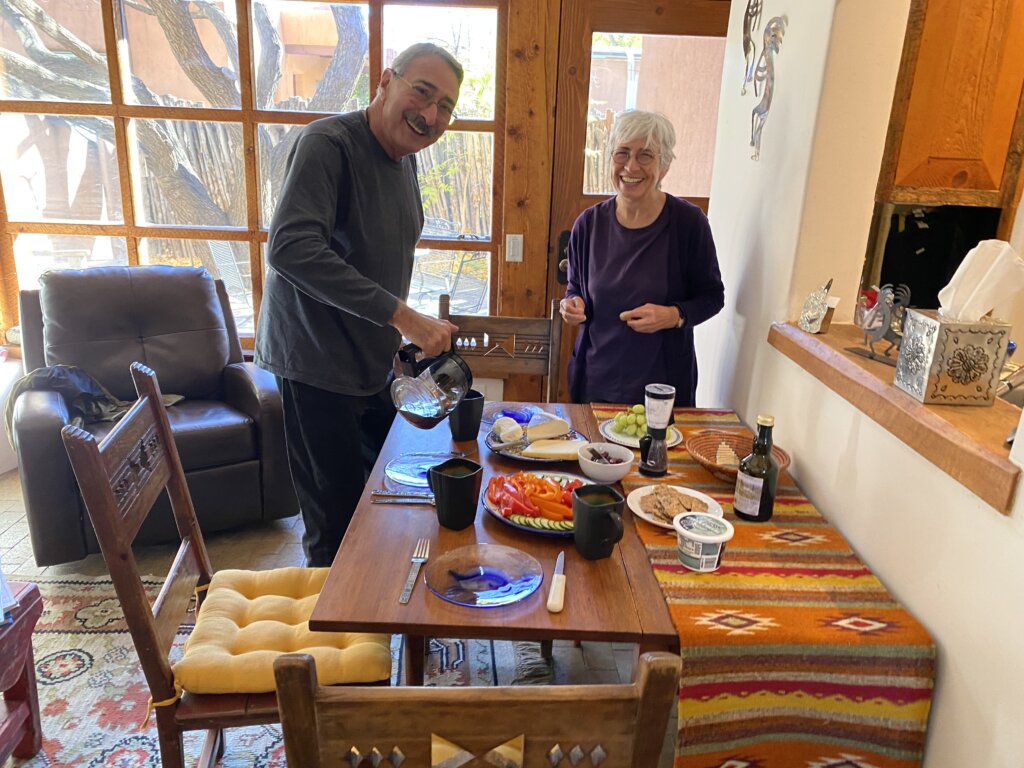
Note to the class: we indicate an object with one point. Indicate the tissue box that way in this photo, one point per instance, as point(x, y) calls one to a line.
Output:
point(949, 362)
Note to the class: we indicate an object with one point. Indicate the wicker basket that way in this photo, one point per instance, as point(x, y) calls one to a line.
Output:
point(703, 446)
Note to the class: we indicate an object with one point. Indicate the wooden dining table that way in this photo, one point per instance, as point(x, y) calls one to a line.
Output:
point(616, 599)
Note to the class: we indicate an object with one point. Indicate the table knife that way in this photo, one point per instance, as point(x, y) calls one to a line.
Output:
point(402, 494)
point(556, 594)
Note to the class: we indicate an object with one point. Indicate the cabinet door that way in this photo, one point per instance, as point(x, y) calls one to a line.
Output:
point(956, 131)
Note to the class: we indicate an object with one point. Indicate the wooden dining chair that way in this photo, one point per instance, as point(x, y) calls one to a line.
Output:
point(614, 726)
point(498, 347)
point(243, 619)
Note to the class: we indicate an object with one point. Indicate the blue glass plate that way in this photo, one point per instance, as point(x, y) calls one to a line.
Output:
point(518, 412)
point(410, 469)
point(483, 575)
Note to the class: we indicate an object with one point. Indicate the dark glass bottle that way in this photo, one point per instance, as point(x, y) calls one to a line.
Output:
point(758, 477)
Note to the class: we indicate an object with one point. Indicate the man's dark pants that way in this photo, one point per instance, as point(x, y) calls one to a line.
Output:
point(333, 441)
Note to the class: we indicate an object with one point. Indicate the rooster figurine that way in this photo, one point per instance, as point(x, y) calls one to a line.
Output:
point(882, 321)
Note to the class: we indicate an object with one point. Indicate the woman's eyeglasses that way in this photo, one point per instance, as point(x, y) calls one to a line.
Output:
point(644, 156)
point(423, 97)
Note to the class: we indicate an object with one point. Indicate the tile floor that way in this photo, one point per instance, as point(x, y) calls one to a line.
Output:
point(271, 545)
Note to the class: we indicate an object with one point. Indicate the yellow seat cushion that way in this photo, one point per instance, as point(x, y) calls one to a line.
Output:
point(249, 618)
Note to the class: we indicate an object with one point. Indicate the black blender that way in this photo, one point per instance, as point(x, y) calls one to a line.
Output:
point(658, 402)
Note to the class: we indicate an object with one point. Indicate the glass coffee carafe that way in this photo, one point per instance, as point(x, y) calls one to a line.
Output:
point(429, 389)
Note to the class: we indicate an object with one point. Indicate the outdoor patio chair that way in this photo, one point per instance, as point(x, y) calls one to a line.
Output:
point(498, 347)
point(614, 726)
point(244, 619)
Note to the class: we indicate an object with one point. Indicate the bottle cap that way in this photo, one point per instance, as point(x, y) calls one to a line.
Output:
point(763, 420)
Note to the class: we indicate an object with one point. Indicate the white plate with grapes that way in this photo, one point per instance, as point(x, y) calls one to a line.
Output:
point(630, 425)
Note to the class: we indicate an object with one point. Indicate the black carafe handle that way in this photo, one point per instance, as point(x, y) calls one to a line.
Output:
point(645, 447)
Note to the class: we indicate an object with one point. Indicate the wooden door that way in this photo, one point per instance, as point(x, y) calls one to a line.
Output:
point(687, 33)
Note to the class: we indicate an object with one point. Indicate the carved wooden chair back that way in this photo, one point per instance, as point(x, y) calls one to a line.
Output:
point(498, 347)
point(614, 726)
point(120, 479)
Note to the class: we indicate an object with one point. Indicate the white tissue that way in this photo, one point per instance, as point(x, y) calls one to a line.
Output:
point(991, 273)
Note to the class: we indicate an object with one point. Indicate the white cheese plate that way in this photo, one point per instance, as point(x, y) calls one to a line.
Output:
point(515, 451)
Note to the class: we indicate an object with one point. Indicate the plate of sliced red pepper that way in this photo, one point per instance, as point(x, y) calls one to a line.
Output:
point(538, 502)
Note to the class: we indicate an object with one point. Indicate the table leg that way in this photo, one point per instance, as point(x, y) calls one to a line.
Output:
point(24, 689)
point(415, 659)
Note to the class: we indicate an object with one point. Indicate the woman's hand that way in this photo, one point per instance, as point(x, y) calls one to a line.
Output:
point(571, 309)
point(651, 318)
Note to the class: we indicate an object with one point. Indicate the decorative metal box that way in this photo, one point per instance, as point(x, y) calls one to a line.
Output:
point(950, 363)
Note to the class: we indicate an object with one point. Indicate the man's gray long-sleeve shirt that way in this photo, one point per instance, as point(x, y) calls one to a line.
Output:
point(340, 255)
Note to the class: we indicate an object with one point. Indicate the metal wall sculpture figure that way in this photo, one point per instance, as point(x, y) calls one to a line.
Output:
point(765, 75)
point(751, 19)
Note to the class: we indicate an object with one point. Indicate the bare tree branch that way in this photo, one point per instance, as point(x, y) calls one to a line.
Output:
point(28, 9)
point(226, 29)
point(268, 70)
point(218, 88)
point(336, 86)
point(31, 75)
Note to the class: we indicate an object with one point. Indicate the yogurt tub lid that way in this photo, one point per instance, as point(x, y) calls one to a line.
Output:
point(700, 526)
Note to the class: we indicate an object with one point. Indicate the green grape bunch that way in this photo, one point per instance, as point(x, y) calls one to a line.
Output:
point(631, 422)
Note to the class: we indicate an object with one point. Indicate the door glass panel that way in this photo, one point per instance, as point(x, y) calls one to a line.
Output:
point(456, 177)
point(59, 168)
point(228, 261)
point(274, 143)
point(35, 254)
point(311, 57)
point(181, 54)
point(463, 275)
point(207, 190)
point(59, 55)
point(470, 34)
point(644, 72)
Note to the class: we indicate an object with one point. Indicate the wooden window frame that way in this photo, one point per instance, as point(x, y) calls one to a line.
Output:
point(249, 119)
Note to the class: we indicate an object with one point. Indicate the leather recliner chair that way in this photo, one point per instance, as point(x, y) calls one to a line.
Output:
point(229, 428)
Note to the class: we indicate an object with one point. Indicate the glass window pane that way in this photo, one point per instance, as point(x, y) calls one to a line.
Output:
point(274, 142)
point(188, 173)
point(463, 275)
point(471, 34)
point(181, 53)
point(311, 57)
point(643, 72)
point(228, 261)
point(456, 177)
point(59, 168)
point(35, 254)
point(65, 58)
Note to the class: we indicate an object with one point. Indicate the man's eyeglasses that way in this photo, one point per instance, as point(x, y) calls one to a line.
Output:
point(423, 97)
point(644, 156)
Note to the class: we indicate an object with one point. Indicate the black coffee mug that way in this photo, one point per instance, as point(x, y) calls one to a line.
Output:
point(456, 487)
point(464, 421)
point(597, 520)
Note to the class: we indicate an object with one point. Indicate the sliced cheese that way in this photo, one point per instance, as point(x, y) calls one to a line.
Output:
point(544, 425)
point(556, 450)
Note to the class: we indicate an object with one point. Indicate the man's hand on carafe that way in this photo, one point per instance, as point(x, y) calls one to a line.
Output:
point(430, 334)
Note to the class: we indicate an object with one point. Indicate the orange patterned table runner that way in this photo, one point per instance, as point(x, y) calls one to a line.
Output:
point(794, 654)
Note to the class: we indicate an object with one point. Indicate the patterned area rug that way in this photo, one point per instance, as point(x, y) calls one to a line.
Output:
point(92, 694)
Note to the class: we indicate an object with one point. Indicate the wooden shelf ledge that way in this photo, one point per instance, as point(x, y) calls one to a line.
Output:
point(965, 442)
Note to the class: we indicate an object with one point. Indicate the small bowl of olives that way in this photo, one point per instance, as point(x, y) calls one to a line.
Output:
point(605, 462)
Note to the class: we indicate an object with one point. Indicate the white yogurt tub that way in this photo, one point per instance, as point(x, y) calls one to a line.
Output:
point(701, 539)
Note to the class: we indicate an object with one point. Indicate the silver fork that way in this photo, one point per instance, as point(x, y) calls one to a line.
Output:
point(419, 557)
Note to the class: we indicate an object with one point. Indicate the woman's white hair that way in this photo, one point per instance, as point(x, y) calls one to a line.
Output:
point(653, 127)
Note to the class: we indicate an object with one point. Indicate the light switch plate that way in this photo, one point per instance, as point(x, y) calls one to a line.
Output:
point(513, 247)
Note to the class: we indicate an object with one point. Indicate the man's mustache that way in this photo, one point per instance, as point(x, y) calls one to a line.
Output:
point(417, 122)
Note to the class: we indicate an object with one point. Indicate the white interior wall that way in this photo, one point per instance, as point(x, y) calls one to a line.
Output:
point(784, 225)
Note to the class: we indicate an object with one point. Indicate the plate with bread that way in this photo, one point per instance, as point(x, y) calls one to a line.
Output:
point(545, 438)
point(659, 503)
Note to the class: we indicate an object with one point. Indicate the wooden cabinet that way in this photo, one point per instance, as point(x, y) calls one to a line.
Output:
point(956, 131)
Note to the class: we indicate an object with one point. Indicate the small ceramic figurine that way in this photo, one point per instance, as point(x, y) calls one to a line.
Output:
point(815, 308)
